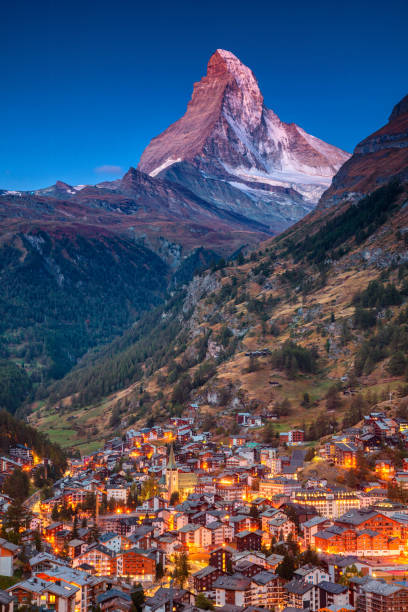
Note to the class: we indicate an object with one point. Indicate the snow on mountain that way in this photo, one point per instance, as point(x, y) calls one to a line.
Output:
point(227, 134)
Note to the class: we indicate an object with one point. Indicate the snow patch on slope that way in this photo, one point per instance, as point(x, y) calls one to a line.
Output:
point(309, 186)
point(169, 162)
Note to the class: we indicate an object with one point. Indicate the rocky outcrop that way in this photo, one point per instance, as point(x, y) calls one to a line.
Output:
point(233, 151)
point(401, 108)
point(375, 161)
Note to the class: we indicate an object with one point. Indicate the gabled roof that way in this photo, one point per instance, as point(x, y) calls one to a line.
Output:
point(304, 570)
point(206, 571)
point(236, 582)
point(380, 588)
point(245, 533)
point(75, 542)
point(5, 598)
point(368, 532)
point(298, 587)
point(111, 594)
point(163, 596)
point(264, 577)
point(316, 520)
point(356, 517)
point(332, 587)
point(214, 525)
point(107, 536)
point(9, 545)
point(189, 527)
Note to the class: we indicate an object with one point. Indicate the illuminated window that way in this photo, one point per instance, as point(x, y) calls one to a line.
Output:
point(52, 598)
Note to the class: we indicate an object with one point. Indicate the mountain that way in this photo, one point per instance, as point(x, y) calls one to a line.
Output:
point(232, 151)
point(138, 207)
point(376, 159)
point(80, 264)
point(312, 326)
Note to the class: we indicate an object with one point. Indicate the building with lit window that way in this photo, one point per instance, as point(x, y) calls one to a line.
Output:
point(139, 565)
point(84, 584)
point(45, 594)
point(363, 533)
point(378, 596)
point(100, 557)
point(329, 503)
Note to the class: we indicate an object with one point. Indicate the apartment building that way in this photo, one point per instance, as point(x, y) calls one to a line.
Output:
point(267, 590)
point(45, 594)
point(65, 576)
point(378, 596)
point(234, 590)
point(328, 503)
point(102, 559)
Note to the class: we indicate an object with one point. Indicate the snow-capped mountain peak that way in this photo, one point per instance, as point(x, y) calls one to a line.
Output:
point(228, 134)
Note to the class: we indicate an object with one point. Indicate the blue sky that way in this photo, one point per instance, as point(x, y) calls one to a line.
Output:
point(86, 85)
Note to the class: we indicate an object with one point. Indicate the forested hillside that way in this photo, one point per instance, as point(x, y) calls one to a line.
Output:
point(322, 319)
point(61, 297)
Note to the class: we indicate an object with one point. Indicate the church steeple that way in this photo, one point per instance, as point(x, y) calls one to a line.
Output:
point(172, 476)
point(171, 463)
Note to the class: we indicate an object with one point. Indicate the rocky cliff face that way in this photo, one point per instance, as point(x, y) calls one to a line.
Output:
point(233, 151)
point(376, 159)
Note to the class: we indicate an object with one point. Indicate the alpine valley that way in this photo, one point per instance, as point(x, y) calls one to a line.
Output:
point(244, 265)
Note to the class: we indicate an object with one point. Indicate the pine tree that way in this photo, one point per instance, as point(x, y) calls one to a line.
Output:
point(181, 569)
point(94, 534)
point(37, 541)
point(75, 528)
point(138, 598)
point(65, 551)
point(15, 519)
point(286, 568)
point(253, 511)
point(203, 602)
point(159, 571)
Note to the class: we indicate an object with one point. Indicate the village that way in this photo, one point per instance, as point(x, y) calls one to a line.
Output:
point(166, 519)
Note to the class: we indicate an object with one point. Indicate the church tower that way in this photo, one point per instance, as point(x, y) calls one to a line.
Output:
point(172, 483)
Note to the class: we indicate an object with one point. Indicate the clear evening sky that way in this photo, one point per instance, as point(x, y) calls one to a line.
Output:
point(85, 85)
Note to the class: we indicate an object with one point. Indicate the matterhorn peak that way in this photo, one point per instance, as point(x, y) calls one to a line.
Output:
point(229, 92)
point(243, 96)
point(229, 136)
point(223, 63)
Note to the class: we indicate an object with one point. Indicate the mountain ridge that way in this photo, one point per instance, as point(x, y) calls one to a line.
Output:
point(228, 135)
point(378, 157)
